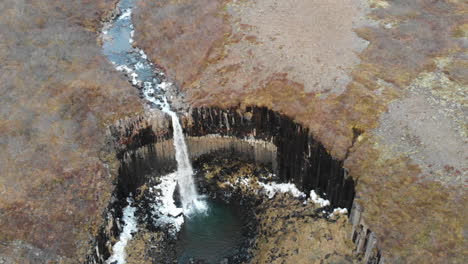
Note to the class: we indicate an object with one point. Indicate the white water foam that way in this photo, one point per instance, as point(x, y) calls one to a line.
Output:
point(130, 226)
point(191, 201)
point(165, 211)
point(126, 14)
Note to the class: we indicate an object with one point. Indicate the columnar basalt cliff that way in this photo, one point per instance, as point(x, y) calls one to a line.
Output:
point(259, 133)
point(300, 158)
point(362, 100)
point(255, 133)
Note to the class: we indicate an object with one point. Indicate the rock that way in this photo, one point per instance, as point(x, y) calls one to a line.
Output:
point(176, 197)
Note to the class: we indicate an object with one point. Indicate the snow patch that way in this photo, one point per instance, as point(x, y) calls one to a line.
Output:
point(164, 85)
point(272, 188)
point(338, 211)
point(126, 14)
point(130, 226)
point(318, 200)
point(165, 211)
point(143, 55)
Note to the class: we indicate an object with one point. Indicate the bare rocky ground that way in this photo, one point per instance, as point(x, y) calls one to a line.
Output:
point(390, 74)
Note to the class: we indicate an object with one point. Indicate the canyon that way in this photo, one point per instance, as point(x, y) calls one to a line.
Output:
point(364, 101)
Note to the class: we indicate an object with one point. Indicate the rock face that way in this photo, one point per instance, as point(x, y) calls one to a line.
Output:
point(258, 134)
point(286, 229)
point(395, 113)
point(295, 236)
point(299, 157)
point(279, 229)
point(57, 97)
point(145, 151)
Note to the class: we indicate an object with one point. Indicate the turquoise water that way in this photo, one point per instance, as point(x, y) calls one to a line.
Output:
point(212, 236)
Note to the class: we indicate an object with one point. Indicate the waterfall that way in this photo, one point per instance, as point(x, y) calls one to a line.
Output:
point(191, 202)
point(134, 63)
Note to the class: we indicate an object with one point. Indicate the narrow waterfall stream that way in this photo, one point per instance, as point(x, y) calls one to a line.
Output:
point(117, 46)
point(191, 202)
point(133, 62)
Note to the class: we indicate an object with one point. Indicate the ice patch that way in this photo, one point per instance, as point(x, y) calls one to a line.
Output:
point(148, 86)
point(165, 211)
point(318, 200)
point(143, 55)
point(130, 226)
point(139, 65)
point(338, 211)
point(135, 80)
point(272, 188)
point(127, 13)
point(124, 68)
point(164, 85)
point(243, 181)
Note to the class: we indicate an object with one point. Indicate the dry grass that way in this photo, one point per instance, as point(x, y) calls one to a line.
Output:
point(57, 96)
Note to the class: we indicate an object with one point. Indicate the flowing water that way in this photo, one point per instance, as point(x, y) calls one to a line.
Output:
point(213, 236)
point(210, 230)
point(117, 46)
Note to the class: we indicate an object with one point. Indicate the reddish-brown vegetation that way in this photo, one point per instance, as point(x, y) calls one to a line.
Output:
point(57, 97)
point(417, 219)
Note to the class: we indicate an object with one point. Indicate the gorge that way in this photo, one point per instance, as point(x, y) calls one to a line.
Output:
point(314, 131)
point(267, 138)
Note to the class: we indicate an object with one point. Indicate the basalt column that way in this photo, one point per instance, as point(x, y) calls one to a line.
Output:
point(300, 158)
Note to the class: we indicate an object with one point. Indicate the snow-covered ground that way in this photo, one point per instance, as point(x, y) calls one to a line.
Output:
point(130, 226)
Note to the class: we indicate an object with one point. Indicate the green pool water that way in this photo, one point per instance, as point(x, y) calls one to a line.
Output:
point(213, 236)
